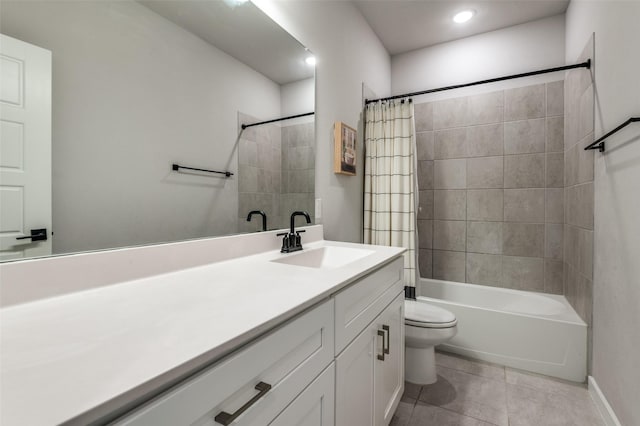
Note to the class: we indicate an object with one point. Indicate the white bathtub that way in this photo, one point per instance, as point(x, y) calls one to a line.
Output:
point(531, 331)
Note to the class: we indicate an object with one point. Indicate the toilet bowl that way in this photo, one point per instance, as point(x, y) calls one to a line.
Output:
point(425, 327)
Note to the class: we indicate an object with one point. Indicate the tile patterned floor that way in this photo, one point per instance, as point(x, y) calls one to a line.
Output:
point(474, 393)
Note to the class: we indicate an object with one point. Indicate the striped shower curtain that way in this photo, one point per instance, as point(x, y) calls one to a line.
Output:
point(390, 188)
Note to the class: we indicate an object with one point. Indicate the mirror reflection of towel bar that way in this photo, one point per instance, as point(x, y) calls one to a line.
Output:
point(177, 167)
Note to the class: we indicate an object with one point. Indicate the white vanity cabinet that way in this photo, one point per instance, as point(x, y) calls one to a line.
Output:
point(239, 335)
point(370, 368)
point(341, 362)
point(251, 386)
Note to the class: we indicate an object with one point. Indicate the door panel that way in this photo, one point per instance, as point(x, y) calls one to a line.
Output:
point(355, 374)
point(390, 372)
point(25, 147)
point(314, 406)
point(12, 78)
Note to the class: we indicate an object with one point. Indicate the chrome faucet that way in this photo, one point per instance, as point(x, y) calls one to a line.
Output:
point(261, 213)
point(292, 241)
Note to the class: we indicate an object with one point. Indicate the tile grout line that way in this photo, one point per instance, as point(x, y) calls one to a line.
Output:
point(544, 198)
point(473, 374)
point(461, 414)
point(506, 396)
point(504, 161)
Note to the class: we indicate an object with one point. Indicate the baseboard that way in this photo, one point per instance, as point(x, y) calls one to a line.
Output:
point(602, 404)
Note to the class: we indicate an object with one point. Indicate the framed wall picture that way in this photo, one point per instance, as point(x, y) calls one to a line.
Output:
point(344, 156)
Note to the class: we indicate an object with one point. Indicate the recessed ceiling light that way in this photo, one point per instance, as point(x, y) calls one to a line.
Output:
point(463, 16)
point(311, 61)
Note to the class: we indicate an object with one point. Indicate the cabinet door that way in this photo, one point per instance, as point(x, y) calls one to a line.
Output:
point(360, 303)
point(355, 375)
point(389, 373)
point(314, 406)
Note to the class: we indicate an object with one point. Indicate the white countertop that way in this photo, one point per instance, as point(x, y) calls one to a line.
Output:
point(80, 356)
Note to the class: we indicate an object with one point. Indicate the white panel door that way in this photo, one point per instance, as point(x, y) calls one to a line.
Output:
point(25, 147)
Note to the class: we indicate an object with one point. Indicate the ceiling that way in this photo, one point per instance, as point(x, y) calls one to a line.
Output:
point(404, 25)
point(242, 31)
point(246, 33)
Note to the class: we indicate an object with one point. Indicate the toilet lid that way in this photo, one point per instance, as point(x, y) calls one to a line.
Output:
point(423, 314)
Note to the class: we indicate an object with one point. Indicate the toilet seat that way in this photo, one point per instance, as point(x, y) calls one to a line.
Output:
point(424, 315)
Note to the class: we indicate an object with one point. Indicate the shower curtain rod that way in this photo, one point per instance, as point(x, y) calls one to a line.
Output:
point(586, 64)
point(244, 126)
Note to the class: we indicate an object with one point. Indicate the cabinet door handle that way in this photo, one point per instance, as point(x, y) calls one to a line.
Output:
point(225, 418)
point(381, 356)
point(36, 235)
point(388, 330)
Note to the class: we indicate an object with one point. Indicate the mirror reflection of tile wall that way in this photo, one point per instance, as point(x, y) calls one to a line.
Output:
point(298, 170)
point(276, 172)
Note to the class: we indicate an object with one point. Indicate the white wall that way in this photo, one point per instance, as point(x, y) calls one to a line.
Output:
point(616, 309)
point(348, 53)
point(298, 98)
point(133, 93)
point(521, 48)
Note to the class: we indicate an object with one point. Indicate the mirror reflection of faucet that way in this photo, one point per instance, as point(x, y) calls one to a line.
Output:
point(261, 213)
point(292, 241)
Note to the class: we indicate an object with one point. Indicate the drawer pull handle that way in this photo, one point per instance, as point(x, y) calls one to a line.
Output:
point(381, 356)
point(225, 418)
point(386, 348)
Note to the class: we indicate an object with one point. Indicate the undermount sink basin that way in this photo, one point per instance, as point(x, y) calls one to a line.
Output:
point(328, 257)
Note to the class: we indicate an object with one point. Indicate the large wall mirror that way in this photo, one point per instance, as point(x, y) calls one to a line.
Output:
point(136, 87)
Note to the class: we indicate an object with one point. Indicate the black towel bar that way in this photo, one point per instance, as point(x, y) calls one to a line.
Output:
point(177, 167)
point(599, 144)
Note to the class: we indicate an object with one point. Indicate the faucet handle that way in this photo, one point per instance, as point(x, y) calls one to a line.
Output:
point(286, 241)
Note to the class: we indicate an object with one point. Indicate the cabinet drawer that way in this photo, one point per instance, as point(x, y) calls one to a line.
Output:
point(288, 359)
point(360, 303)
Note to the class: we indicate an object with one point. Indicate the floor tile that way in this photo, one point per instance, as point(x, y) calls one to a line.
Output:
point(546, 384)
point(411, 390)
point(468, 394)
point(532, 407)
point(478, 368)
point(403, 413)
point(471, 392)
point(429, 415)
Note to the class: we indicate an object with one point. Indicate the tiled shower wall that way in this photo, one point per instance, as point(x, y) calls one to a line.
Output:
point(259, 174)
point(276, 173)
point(491, 178)
point(578, 179)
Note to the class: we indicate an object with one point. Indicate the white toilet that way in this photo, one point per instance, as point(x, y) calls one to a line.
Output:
point(425, 326)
